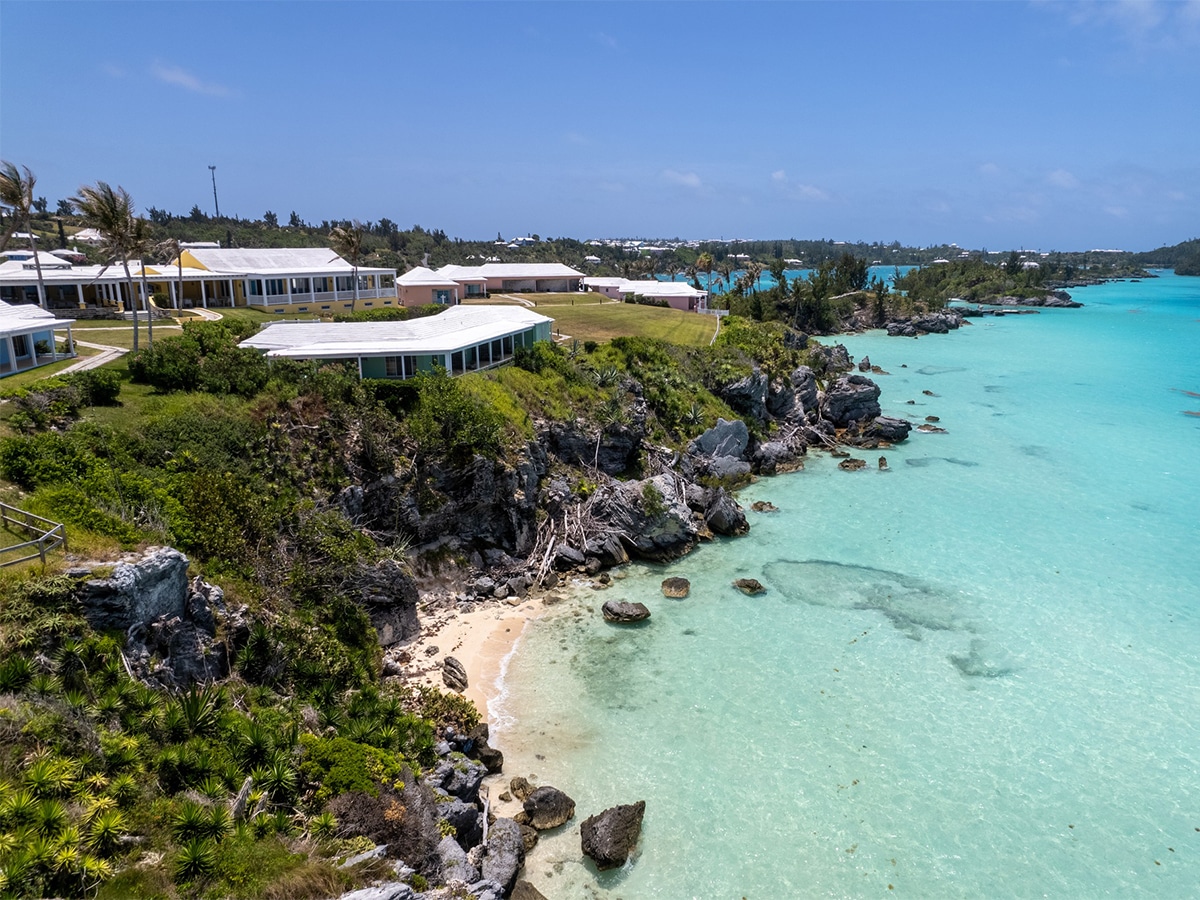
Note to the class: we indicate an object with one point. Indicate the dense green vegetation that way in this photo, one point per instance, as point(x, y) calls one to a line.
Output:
point(109, 785)
point(1183, 257)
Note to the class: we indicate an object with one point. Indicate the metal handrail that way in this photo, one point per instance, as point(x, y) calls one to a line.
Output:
point(45, 539)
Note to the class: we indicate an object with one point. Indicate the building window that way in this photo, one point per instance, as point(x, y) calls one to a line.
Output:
point(364, 282)
point(442, 297)
point(388, 281)
point(20, 345)
point(321, 285)
point(254, 287)
point(345, 282)
point(275, 286)
point(299, 285)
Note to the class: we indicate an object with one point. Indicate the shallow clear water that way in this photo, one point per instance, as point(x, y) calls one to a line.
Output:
point(974, 674)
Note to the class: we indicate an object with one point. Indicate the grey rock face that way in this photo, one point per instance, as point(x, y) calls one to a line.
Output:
point(852, 398)
point(526, 891)
point(608, 549)
point(723, 439)
point(724, 515)
point(480, 749)
point(467, 821)
point(548, 807)
point(608, 838)
point(748, 395)
point(885, 428)
point(772, 454)
point(651, 517)
point(575, 443)
point(392, 890)
point(728, 467)
point(458, 776)
point(503, 854)
point(830, 360)
point(390, 596)
point(567, 557)
point(804, 386)
point(623, 611)
point(455, 866)
point(454, 675)
point(137, 592)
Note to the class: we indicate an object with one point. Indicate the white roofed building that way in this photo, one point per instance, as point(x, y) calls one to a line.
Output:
point(461, 339)
point(675, 294)
point(27, 337)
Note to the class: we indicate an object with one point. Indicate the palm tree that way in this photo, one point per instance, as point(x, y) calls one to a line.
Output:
point(704, 263)
point(346, 241)
point(726, 271)
point(171, 250)
point(16, 192)
point(110, 211)
point(754, 272)
point(142, 243)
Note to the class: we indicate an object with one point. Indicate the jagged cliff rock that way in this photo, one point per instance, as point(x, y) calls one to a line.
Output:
point(170, 623)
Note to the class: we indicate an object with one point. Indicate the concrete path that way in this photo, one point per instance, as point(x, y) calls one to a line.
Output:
point(106, 355)
point(210, 314)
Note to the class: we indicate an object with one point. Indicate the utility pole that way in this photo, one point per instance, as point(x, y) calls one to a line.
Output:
point(213, 169)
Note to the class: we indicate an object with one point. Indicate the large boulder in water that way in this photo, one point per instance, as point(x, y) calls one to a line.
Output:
point(852, 398)
point(885, 428)
point(724, 515)
point(548, 807)
point(609, 837)
point(622, 611)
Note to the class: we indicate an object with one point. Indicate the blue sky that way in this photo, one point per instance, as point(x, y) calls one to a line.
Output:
point(1001, 124)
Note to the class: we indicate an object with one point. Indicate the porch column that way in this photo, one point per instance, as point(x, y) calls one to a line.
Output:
point(12, 354)
point(312, 291)
point(70, 342)
point(171, 294)
point(335, 292)
point(233, 296)
point(33, 348)
point(288, 281)
point(79, 292)
point(203, 295)
point(360, 369)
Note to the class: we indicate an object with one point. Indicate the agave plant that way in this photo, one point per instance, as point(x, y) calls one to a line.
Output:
point(105, 832)
point(197, 858)
point(51, 818)
point(123, 789)
point(189, 822)
point(213, 788)
point(46, 776)
point(18, 808)
point(219, 823)
point(44, 685)
point(277, 778)
point(15, 673)
point(201, 710)
point(323, 826)
point(69, 663)
point(254, 744)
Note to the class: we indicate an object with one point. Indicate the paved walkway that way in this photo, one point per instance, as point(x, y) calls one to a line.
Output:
point(106, 355)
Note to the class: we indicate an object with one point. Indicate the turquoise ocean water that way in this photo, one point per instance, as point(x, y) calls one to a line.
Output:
point(976, 674)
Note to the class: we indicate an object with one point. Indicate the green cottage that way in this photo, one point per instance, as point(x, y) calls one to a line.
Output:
point(462, 339)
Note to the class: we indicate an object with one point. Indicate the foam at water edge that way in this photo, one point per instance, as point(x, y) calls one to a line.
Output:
point(499, 720)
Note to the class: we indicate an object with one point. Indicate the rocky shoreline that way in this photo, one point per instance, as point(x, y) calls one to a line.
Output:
point(501, 541)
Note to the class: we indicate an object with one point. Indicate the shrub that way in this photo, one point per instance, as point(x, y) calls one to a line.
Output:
point(449, 421)
point(339, 765)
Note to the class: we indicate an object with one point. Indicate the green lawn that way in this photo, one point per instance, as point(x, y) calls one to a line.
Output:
point(586, 318)
point(121, 335)
point(30, 376)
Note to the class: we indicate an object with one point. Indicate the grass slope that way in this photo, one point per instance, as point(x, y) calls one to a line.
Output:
point(585, 318)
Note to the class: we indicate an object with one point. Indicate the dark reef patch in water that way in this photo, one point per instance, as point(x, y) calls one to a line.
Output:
point(1037, 451)
point(940, 370)
point(912, 605)
point(924, 461)
point(993, 388)
point(979, 664)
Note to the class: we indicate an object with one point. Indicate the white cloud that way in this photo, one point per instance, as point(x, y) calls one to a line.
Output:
point(1161, 24)
point(174, 75)
point(989, 168)
point(796, 190)
point(1063, 179)
point(607, 40)
point(1117, 212)
point(685, 179)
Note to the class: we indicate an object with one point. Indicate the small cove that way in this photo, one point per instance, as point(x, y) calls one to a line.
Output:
point(976, 673)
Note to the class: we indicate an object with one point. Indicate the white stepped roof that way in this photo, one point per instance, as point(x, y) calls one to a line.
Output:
point(315, 260)
point(25, 318)
point(427, 277)
point(513, 270)
point(660, 289)
point(457, 327)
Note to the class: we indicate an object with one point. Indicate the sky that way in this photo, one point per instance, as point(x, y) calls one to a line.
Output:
point(1032, 125)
